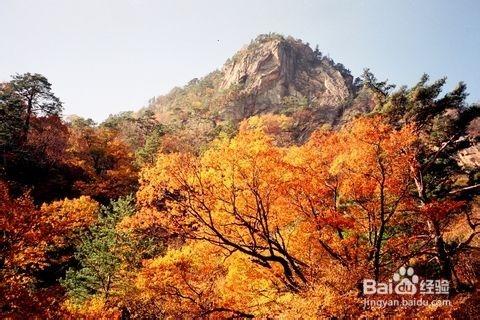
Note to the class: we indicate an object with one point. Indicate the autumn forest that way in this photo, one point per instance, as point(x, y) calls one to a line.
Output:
point(214, 202)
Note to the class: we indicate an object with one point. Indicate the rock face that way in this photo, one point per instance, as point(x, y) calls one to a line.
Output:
point(274, 67)
point(470, 157)
point(273, 74)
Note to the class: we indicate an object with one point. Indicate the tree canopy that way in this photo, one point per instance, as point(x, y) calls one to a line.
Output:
point(210, 219)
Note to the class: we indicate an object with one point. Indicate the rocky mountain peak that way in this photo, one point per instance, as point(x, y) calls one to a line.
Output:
point(273, 67)
point(273, 74)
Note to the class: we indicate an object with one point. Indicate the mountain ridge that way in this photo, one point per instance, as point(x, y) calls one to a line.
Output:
point(273, 74)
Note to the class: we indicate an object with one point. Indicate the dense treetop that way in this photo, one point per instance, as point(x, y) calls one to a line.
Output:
point(205, 205)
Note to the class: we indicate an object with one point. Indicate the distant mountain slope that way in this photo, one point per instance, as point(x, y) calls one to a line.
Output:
point(273, 74)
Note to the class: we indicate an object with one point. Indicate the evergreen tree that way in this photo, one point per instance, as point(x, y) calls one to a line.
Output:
point(36, 97)
point(441, 124)
point(147, 154)
point(104, 255)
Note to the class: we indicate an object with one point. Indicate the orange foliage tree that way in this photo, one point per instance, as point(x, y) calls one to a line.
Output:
point(374, 162)
point(28, 234)
point(345, 194)
point(353, 188)
point(229, 197)
point(106, 160)
point(64, 220)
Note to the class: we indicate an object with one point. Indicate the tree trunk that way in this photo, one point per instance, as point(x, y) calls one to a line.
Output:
point(440, 248)
point(442, 254)
point(26, 126)
point(377, 252)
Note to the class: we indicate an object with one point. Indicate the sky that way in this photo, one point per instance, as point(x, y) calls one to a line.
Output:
point(107, 56)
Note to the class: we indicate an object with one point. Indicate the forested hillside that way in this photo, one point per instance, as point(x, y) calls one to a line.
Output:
point(270, 188)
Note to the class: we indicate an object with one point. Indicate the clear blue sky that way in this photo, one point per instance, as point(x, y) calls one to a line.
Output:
point(103, 57)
